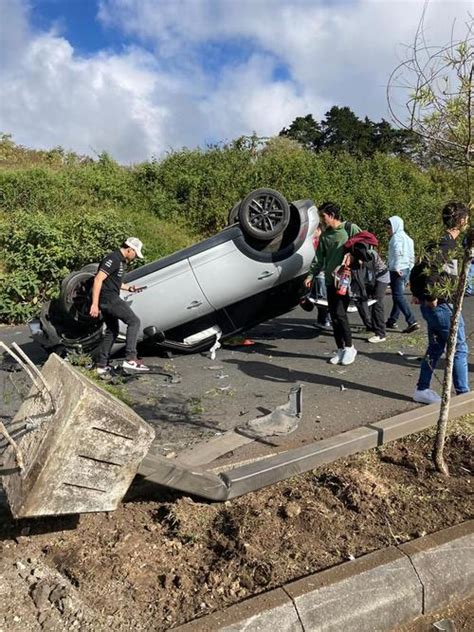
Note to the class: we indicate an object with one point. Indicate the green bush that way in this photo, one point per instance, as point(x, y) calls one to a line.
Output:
point(39, 251)
point(59, 210)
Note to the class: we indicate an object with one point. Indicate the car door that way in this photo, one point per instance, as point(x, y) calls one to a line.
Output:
point(227, 275)
point(172, 297)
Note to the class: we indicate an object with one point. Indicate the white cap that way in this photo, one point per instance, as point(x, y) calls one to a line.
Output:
point(136, 244)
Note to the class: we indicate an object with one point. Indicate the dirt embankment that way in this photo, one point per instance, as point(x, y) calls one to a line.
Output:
point(163, 559)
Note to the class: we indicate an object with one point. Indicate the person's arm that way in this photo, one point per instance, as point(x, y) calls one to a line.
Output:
point(130, 288)
point(96, 288)
point(441, 258)
point(397, 254)
point(316, 265)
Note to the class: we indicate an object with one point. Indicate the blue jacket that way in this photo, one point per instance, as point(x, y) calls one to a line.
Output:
point(401, 250)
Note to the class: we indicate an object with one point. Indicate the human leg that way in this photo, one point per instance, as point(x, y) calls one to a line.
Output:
point(364, 314)
point(437, 338)
point(460, 367)
point(338, 310)
point(378, 314)
point(395, 282)
point(124, 312)
point(111, 333)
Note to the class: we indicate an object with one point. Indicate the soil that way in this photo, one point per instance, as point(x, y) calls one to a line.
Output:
point(163, 559)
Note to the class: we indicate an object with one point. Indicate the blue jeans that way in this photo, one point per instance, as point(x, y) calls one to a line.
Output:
point(398, 283)
point(470, 280)
point(439, 320)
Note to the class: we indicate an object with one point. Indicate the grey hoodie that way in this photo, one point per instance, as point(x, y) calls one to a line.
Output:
point(401, 251)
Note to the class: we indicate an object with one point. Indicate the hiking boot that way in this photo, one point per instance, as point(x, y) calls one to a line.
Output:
point(390, 324)
point(375, 339)
point(411, 328)
point(337, 357)
point(134, 365)
point(349, 355)
point(426, 396)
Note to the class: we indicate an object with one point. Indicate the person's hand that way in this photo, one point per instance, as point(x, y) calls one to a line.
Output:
point(94, 311)
point(347, 261)
point(400, 273)
point(432, 304)
point(307, 282)
point(415, 301)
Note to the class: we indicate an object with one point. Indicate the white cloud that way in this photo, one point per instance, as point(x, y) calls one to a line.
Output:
point(163, 93)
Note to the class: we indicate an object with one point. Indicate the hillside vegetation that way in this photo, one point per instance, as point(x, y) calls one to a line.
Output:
point(59, 210)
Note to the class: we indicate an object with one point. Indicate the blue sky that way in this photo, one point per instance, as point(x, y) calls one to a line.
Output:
point(139, 77)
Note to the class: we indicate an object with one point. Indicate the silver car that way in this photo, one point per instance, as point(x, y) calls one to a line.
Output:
point(251, 271)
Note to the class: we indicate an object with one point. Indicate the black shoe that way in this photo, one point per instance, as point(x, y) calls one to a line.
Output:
point(391, 325)
point(411, 328)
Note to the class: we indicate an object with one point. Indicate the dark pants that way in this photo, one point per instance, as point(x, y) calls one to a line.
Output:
point(377, 310)
point(340, 324)
point(398, 283)
point(364, 314)
point(113, 312)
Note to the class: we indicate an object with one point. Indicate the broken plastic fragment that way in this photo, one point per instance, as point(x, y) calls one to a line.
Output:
point(216, 345)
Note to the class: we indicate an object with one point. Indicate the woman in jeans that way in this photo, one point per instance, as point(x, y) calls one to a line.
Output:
point(401, 258)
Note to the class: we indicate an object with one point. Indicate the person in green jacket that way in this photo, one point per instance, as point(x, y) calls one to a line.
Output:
point(328, 257)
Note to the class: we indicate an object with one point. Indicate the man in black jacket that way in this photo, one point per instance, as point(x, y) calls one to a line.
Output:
point(106, 299)
point(437, 309)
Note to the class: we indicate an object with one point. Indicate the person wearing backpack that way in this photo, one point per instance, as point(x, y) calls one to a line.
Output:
point(370, 278)
point(328, 257)
point(435, 270)
point(401, 259)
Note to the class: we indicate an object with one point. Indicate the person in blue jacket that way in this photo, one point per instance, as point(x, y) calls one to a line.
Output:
point(401, 259)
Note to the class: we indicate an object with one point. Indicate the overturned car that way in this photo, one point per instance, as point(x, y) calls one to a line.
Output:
point(251, 271)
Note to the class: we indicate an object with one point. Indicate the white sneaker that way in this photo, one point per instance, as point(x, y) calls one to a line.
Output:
point(376, 339)
point(349, 355)
point(134, 365)
point(426, 396)
point(337, 357)
point(104, 372)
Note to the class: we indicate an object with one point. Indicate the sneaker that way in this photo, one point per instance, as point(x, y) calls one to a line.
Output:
point(337, 357)
point(375, 339)
point(349, 355)
point(411, 328)
point(104, 372)
point(426, 396)
point(134, 365)
point(391, 325)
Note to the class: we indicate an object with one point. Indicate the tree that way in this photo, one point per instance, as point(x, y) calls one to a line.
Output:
point(306, 131)
point(436, 83)
point(342, 130)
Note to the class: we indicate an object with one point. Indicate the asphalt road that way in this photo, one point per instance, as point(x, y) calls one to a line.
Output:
point(191, 398)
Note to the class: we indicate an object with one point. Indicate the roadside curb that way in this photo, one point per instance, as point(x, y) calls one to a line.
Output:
point(378, 591)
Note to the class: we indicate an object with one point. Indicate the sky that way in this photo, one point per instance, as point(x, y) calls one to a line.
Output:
point(138, 78)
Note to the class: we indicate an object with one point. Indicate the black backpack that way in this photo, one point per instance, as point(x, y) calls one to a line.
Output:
point(419, 279)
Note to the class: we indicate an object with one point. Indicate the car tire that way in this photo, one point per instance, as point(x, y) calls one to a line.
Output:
point(90, 267)
point(75, 296)
point(264, 214)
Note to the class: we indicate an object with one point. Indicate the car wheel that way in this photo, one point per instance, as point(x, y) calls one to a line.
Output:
point(264, 214)
point(233, 216)
point(75, 296)
point(90, 267)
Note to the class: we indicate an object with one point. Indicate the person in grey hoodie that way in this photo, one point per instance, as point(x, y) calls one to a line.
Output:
point(401, 259)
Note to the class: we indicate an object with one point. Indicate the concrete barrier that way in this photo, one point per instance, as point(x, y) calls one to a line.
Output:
point(80, 455)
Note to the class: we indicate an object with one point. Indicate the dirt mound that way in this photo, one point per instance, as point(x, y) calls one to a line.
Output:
point(154, 564)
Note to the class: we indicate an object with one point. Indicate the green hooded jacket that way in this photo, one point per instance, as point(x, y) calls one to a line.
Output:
point(330, 251)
